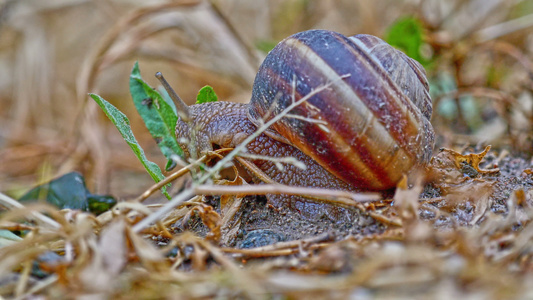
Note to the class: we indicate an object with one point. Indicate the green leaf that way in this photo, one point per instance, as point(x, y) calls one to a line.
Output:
point(158, 114)
point(407, 34)
point(123, 125)
point(266, 46)
point(206, 94)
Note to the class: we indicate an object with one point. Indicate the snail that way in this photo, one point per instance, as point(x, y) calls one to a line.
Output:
point(366, 127)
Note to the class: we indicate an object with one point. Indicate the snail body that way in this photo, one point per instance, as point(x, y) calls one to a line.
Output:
point(367, 127)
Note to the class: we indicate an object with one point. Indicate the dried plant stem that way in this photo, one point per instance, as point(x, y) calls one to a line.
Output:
point(39, 286)
point(281, 248)
point(478, 92)
point(166, 208)
point(154, 188)
point(252, 57)
point(512, 51)
point(306, 119)
point(94, 62)
point(260, 253)
point(10, 202)
point(252, 168)
point(498, 30)
point(251, 286)
point(276, 160)
point(386, 220)
point(334, 196)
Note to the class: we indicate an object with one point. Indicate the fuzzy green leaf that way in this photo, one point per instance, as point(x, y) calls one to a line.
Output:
point(123, 125)
point(158, 115)
point(206, 94)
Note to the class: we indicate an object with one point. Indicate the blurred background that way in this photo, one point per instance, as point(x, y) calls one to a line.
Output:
point(477, 53)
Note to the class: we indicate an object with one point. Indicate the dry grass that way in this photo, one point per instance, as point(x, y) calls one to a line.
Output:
point(52, 53)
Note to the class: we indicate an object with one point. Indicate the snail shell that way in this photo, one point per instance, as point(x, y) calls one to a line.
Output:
point(374, 116)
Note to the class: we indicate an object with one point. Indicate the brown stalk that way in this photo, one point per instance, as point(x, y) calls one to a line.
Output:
point(9, 202)
point(512, 51)
point(280, 248)
point(154, 188)
point(323, 195)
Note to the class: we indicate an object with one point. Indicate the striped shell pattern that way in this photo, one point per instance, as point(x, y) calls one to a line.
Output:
point(374, 115)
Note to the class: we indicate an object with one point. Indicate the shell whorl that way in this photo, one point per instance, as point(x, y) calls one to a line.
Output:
point(377, 118)
point(407, 73)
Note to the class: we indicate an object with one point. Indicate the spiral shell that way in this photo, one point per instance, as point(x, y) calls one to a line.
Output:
point(372, 122)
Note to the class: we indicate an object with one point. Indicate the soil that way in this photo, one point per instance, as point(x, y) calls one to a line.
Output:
point(260, 224)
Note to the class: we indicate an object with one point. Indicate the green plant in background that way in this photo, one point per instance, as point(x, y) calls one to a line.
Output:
point(159, 115)
point(265, 46)
point(206, 94)
point(407, 34)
